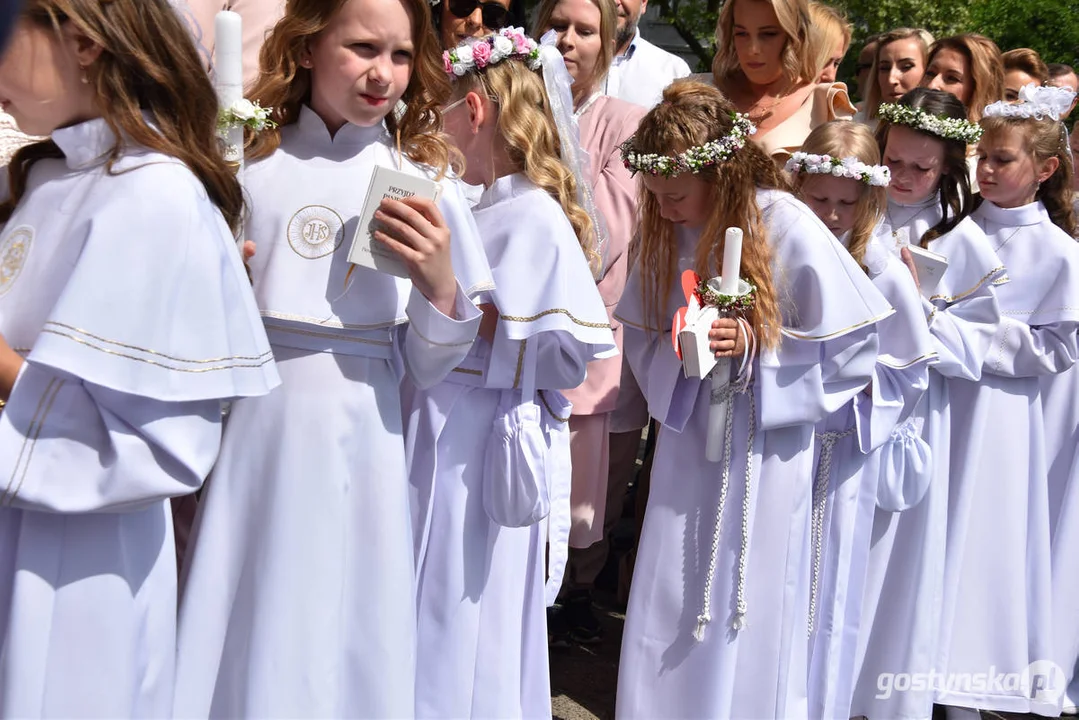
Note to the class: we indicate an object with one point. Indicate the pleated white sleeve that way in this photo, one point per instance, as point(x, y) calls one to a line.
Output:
point(435, 344)
point(68, 446)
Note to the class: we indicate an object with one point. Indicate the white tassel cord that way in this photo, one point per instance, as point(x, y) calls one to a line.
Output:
point(828, 441)
point(741, 386)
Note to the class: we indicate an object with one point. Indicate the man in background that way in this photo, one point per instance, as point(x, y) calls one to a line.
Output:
point(640, 70)
point(1061, 75)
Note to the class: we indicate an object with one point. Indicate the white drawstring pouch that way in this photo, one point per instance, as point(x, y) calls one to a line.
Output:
point(515, 492)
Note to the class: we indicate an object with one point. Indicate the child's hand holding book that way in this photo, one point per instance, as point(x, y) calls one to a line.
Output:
point(415, 231)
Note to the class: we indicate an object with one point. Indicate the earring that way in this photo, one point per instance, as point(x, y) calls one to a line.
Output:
point(85, 80)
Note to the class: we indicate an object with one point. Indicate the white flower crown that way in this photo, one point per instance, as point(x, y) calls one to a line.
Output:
point(695, 158)
point(1040, 103)
point(476, 54)
point(848, 167)
point(944, 127)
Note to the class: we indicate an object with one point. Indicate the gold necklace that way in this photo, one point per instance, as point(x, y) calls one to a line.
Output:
point(764, 113)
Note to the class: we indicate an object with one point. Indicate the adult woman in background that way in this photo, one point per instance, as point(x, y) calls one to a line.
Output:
point(586, 38)
point(456, 20)
point(830, 39)
point(766, 66)
point(968, 66)
point(1022, 66)
point(900, 62)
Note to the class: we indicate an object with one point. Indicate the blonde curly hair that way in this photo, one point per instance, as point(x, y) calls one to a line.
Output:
point(528, 129)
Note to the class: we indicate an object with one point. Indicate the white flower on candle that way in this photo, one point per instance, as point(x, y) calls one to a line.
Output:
point(244, 109)
point(245, 114)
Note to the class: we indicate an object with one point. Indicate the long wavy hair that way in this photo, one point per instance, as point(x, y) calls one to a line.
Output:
point(691, 114)
point(285, 85)
point(956, 198)
point(799, 59)
point(984, 66)
point(873, 93)
point(148, 64)
point(830, 29)
point(1044, 139)
point(842, 139)
point(608, 29)
point(531, 138)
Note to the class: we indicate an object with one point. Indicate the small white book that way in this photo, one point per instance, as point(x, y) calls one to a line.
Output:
point(697, 357)
point(930, 267)
point(386, 182)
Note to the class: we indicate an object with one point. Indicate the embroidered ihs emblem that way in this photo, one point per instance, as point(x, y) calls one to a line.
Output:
point(315, 231)
point(14, 249)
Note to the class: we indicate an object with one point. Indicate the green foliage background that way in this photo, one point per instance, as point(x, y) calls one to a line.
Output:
point(1049, 26)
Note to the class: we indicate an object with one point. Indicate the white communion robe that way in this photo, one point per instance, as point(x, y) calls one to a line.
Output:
point(738, 552)
point(999, 553)
point(901, 610)
point(1059, 393)
point(482, 628)
point(860, 447)
point(298, 596)
point(1060, 406)
point(123, 290)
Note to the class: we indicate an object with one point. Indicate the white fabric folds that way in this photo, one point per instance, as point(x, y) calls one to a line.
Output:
point(196, 336)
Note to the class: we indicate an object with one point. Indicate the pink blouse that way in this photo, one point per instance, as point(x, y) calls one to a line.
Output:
point(606, 124)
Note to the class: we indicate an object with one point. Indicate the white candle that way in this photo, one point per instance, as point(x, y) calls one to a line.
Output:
point(721, 375)
point(732, 261)
point(229, 75)
point(229, 82)
point(228, 50)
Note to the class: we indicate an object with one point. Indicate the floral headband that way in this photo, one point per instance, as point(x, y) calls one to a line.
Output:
point(848, 167)
point(476, 54)
point(944, 127)
point(1040, 103)
point(695, 158)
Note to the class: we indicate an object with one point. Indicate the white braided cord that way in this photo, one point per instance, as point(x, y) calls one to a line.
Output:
point(828, 442)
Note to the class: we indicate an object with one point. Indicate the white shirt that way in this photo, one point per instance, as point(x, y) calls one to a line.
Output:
point(640, 74)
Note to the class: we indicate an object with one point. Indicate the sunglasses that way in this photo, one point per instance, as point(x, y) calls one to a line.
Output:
point(495, 16)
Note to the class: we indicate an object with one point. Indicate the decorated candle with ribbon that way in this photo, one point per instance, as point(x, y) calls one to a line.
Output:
point(229, 79)
point(729, 284)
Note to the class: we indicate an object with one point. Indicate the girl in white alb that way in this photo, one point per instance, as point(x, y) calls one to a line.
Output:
point(126, 321)
point(1003, 562)
point(488, 447)
point(866, 445)
point(298, 595)
point(1062, 461)
point(923, 140)
point(718, 610)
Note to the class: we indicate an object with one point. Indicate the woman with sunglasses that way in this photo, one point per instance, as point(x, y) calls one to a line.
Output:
point(586, 38)
point(457, 20)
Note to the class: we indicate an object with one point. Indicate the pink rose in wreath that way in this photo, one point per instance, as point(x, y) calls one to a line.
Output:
point(481, 54)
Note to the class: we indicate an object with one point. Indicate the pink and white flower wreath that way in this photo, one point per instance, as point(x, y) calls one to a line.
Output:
point(476, 54)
